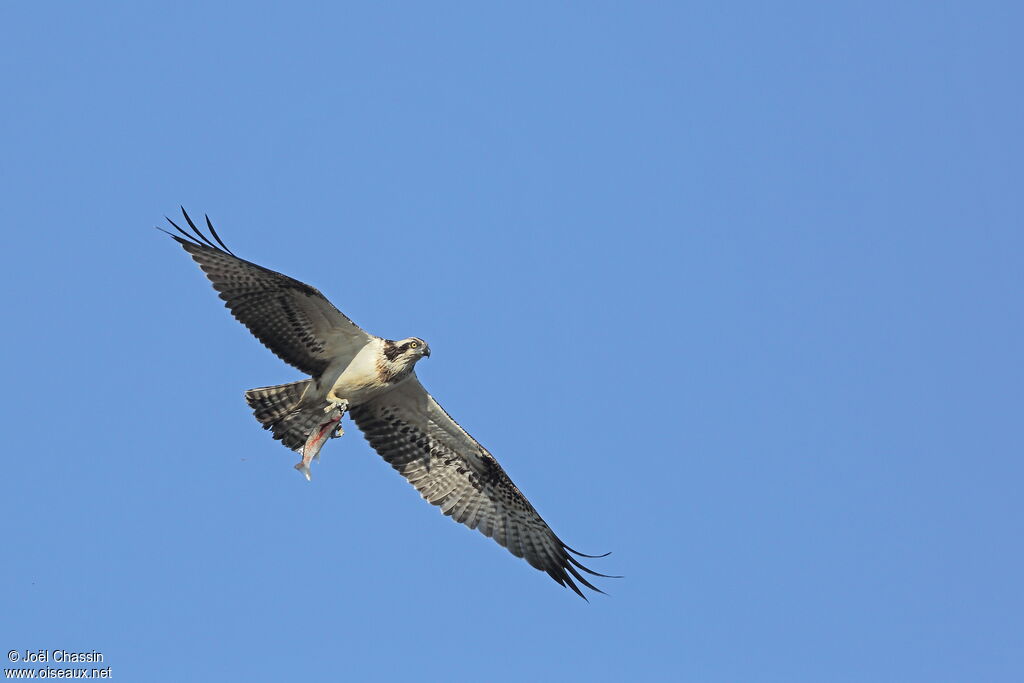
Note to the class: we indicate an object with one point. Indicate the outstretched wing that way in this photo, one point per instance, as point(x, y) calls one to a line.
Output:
point(292, 319)
point(452, 470)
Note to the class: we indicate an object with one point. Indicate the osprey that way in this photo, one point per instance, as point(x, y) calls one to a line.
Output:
point(374, 381)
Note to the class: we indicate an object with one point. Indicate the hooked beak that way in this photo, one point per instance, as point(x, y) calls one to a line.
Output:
point(426, 352)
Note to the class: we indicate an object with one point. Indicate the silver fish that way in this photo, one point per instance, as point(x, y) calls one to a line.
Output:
point(330, 429)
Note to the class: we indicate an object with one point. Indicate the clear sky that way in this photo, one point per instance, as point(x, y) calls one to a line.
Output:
point(732, 290)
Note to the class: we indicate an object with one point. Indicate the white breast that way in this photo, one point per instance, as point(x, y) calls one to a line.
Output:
point(360, 380)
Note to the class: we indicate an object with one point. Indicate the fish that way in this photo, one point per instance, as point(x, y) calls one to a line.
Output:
point(318, 436)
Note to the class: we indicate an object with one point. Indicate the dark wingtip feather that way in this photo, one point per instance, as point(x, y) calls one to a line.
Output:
point(565, 570)
point(213, 232)
point(564, 579)
point(167, 232)
point(190, 238)
point(579, 554)
point(583, 580)
point(197, 237)
point(177, 238)
point(565, 573)
point(591, 571)
point(192, 225)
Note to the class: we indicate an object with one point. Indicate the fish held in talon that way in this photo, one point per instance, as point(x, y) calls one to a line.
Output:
point(318, 436)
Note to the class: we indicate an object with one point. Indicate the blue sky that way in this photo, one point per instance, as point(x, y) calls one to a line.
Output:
point(732, 290)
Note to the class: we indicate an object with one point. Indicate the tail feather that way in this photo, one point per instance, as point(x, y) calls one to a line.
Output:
point(279, 408)
point(272, 403)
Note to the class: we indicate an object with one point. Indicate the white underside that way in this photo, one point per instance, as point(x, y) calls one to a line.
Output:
point(357, 382)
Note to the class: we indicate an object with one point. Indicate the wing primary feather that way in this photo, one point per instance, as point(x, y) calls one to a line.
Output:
point(167, 232)
point(579, 554)
point(213, 232)
point(190, 238)
point(590, 571)
point(192, 225)
point(564, 579)
point(579, 577)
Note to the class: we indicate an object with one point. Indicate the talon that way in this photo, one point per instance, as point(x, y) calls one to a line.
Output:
point(340, 404)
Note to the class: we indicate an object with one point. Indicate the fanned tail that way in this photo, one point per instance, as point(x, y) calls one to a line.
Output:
point(279, 409)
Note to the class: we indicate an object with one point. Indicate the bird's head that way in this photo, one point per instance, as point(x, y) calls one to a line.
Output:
point(415, 348)
point(405, 353)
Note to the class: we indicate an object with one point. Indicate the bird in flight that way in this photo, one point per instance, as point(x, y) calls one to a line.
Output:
point(374, 381)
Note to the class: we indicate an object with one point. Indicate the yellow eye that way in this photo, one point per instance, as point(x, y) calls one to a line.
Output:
point(414, 345)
